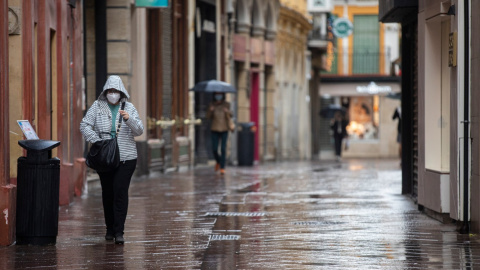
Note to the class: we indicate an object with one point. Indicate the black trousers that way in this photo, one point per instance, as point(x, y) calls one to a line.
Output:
point(338, 144)
point(115, 186)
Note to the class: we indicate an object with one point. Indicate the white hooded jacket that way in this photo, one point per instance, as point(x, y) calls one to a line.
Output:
point(97, 123)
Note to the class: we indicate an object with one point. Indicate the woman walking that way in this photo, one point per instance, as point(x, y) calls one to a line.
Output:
point(219, 113)
point(339, 128)
point(100, 123)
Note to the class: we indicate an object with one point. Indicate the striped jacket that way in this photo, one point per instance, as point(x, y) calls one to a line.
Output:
point(97, 123)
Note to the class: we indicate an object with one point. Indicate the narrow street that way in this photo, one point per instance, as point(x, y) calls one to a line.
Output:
point(293, 215)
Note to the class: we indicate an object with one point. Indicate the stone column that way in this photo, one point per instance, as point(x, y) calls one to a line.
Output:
point(138, 93)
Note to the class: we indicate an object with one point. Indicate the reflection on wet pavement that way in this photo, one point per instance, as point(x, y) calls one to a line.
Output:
point(296, 215)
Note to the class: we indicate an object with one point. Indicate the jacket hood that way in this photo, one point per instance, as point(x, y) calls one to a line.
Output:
point(114, 82)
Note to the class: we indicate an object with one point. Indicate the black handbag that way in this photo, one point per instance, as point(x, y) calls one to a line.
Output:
point(104, 155)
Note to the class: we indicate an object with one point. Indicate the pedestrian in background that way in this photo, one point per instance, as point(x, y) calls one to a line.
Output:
point(219, 114)
point(100, 123)
point(397, 114)
point(339, 128)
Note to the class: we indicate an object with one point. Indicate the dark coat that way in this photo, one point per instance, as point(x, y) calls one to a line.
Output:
point(343, 124)
point(398, 115)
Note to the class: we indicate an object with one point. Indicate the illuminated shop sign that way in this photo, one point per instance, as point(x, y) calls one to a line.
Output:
point(373, 89)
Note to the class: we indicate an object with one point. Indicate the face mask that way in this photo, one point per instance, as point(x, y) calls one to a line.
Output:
point(218, 97)
point(113, 97)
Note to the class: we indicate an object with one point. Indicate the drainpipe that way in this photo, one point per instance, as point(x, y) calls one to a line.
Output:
point(84, 15)
point(231, 31)
point(100, 45)
point(265, 102)
point(466, 122)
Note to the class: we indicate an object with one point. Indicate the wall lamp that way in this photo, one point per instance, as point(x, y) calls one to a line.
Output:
point(451, 10)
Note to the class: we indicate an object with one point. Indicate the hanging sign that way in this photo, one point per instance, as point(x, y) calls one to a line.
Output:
point(329, 57)
point(452, 49)
point(152, 3)
point(342, 27)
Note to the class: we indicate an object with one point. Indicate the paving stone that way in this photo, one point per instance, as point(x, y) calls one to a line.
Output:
point(291, 215)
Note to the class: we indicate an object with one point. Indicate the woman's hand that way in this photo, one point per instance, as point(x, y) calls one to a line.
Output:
point(212, 108)
point(226, 110)
point(124, 114)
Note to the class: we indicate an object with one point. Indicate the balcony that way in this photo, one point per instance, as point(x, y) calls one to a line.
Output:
point(361, 63)
point(319, 35)
point(317, 41)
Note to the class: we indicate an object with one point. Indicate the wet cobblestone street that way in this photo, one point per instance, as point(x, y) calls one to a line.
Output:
point(293, 215)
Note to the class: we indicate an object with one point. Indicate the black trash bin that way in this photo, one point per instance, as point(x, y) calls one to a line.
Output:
point(38, 182)
point(246, 144)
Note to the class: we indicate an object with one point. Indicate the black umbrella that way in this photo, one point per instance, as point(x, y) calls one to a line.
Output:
point(330, 111)
point(214, 86)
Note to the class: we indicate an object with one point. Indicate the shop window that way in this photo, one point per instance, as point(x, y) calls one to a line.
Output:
point(363, 117)
point(437, 97)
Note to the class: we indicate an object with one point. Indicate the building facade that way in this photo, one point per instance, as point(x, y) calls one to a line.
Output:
point(434, 103)
point(249, 63)
point(446, 157)
point(471, 8)
point(148, 48)
point(42, 82)
point(207, 52)
point(60, 53)
point(362, 78)
point(292, 98)
point(321, 44)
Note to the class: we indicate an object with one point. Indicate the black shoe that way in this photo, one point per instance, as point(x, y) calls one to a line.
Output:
point(109, 236)
point(119, 240)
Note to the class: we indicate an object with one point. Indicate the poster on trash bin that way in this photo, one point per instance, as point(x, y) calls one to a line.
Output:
point(27, 130)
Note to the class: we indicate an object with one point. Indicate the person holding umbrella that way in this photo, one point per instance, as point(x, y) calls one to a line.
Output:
point(339, 127)
point(397, 114)
point(219, 114)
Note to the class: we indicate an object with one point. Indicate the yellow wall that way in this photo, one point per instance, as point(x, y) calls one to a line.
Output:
point(298, 5)
point(15, 95)
point(338, 11)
